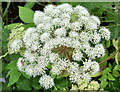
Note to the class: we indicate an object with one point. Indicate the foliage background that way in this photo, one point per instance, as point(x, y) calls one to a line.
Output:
point(106, 11)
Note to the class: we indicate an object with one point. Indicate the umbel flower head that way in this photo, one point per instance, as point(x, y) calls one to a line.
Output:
point(63, 37)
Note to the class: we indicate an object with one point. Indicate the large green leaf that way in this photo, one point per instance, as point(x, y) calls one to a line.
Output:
point(23, 84)
point(26, 14)
point(14, 76)
point(14, 72)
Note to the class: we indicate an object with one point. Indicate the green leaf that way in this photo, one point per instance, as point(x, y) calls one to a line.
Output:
point(116, 58)
point(115, 44)
point(103, 78)
point(110, 66)
point(25, 75)
point(29, 4)
point(5, 88)
point(96, 74)
point(28, 25)
point(23, 84)
point(116, 73)
point(110, 77)
point(104, 57)
point(107, 44)
point(26, 14)
point(35, 83)
point(49, 65)
point(12, 64)
point(117, 67)
point(103, 84)
point(60, 83)
point(106, 71)
point(14, 76)
point(11, 26)
point(36, 86)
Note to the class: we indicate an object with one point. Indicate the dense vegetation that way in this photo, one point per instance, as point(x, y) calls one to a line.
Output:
point(109, 77)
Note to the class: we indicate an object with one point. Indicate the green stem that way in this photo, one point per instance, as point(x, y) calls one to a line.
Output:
point(6, 10)
point(4, 55)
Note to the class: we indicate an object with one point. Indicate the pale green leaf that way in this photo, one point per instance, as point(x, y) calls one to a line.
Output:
point(116, 58)
point(115, 43)
point(26, 14)
point(96, 74)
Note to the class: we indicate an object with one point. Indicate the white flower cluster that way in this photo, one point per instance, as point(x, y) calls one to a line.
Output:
point(62, 34)
point(16, 45)
point(94, 85)
point(46, 81)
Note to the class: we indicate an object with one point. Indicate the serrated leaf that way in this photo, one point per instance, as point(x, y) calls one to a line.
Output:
point(110, 77)
point(110, 66)
point(103, 84)
point(26, 14)
point(106, 71)
point(116, 73)
point(117, 67)
point(103, 78)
